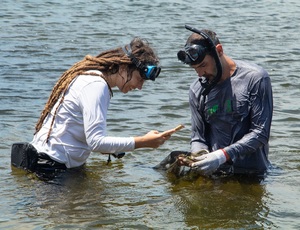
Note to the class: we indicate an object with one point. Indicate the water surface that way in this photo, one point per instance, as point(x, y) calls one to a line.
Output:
point(41, 39)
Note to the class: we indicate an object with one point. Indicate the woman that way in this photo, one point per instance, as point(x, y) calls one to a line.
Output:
point(73, 122)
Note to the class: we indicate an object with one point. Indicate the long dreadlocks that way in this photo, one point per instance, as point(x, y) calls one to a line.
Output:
point(107, 62)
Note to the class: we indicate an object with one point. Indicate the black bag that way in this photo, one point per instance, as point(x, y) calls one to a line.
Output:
point(24, 155)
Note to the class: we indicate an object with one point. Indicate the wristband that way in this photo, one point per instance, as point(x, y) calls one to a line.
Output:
point(226, 154)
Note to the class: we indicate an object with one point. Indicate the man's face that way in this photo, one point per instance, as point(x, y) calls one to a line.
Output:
point(207, 68)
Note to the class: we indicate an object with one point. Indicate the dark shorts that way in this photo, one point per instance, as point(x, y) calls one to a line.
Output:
point(25, 156)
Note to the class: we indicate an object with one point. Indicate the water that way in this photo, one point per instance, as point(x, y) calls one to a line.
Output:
point(41, 39)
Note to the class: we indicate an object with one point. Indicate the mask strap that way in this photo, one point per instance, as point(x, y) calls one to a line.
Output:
point(135, 61)
point(204, 82)
point(142, 68)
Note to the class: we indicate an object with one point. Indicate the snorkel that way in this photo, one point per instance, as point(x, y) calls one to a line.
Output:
point(207, 86)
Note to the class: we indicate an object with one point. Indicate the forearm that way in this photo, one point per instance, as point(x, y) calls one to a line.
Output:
point(261, 101)
point(198, 127)
point(141, 142)
point(249, 144)
point(112, 144)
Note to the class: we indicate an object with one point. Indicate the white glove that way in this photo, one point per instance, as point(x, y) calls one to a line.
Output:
point(209, 163)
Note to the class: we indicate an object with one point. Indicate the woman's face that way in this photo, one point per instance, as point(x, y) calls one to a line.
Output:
point(136, 81)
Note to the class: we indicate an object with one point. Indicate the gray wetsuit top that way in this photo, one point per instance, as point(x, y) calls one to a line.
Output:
point(236, 115)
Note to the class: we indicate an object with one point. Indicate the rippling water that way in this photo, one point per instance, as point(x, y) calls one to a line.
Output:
point(41, 39)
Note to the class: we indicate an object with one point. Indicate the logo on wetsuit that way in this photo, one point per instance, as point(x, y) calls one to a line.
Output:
point(215, 108)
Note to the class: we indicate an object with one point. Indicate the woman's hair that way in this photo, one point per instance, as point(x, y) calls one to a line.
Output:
point(107, 62)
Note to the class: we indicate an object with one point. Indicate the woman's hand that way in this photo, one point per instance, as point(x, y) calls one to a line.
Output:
point(153, 139)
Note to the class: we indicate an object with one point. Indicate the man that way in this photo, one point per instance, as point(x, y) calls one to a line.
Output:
point(231, 109)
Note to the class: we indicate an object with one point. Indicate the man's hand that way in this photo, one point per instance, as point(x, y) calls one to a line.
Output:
point(209, 163)
point(185, 160)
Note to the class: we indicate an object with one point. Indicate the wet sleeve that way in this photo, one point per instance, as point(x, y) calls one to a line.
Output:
point(198, 141)
point(261, 103)
point(95, 100)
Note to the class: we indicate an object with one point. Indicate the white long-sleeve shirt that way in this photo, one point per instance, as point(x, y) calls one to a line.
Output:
point(80, 124)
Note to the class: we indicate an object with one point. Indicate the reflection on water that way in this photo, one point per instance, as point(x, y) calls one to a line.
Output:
point(94, 197)
point(223, 203)
point(41, 39)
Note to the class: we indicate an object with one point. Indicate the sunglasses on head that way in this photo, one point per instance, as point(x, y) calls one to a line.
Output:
point(192, 54)
point(148, 72)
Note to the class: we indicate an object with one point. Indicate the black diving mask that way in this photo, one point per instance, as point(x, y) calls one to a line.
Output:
point(195, 53)
point(192, 54)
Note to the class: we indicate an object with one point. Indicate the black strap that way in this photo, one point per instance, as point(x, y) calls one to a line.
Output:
point(204, 82)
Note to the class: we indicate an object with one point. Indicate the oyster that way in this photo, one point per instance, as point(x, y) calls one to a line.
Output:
point(178, 162)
